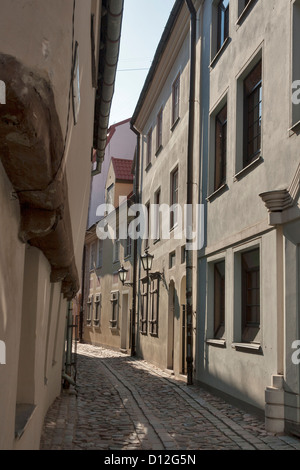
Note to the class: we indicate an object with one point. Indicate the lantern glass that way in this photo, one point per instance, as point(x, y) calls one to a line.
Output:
point(123, 274)
point(147, 259)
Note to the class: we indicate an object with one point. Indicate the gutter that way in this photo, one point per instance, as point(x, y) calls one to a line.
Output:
point(108, 61)
point(190, 156)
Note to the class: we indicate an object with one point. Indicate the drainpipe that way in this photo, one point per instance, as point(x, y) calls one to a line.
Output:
point(135, 249)
point(189, 253)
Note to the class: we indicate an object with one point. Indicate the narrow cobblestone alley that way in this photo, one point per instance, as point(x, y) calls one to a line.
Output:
point(127, 404)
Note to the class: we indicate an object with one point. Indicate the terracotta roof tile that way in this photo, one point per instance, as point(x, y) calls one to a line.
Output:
point(122, 168)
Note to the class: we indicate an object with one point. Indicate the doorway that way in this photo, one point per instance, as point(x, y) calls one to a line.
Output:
point(171, 317)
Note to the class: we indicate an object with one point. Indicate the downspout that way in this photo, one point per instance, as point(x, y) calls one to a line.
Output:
point(189, 201)
point(135, 245)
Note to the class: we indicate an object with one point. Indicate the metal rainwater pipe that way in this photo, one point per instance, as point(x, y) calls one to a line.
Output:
point(190, 151)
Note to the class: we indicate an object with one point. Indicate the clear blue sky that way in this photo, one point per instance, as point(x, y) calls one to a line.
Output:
point(142, 27)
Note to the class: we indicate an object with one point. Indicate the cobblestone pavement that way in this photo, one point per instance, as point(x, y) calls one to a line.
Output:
point(127, 404)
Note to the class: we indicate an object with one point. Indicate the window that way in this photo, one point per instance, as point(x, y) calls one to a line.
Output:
point(147, 227)
point(220, 148)
point(223, 23)
point(144, 306)
point(174, 198)
point(149, 148)
point(114, 309)
point(100, 254)
point(244, 8)
point(97, 309)
point(172, 259)
point(183, 254)
point(128, 244)
point(219, 300)
point(156, 217)
point(252, 114)
point(250, 295)
point(89, 310)
point(109, 194)
point(116, 251)
point(154, 300)
point(159, 123)
point(175, 100)
point(93, 256)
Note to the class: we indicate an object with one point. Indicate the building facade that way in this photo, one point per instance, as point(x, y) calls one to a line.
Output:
point(52, 67)
point(245, 166)
point(247, 294)
point(108, 305)
point(162, 120)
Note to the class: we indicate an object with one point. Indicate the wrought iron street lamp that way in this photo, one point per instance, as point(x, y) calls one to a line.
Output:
point(147, 259)
point(123, 276)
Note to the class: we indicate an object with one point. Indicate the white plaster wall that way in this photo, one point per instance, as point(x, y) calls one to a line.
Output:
point(121, 145)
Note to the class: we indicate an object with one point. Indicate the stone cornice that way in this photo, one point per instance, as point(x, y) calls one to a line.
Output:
point(277, 200)
point(281, 202)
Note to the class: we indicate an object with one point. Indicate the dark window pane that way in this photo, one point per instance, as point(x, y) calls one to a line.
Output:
point(253, 114)
point(219, 299)
point(221, 148)
point(250, 294)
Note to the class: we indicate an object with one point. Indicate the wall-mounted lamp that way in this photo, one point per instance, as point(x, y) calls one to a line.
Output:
point(147, 259)
point(123, 276)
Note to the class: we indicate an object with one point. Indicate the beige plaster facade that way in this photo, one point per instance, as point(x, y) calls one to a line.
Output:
point(163, 130)
point(254, 209)
point(257, 371)
point(108, 303)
